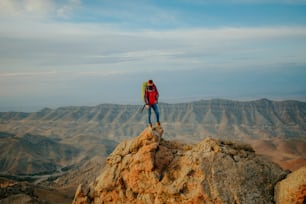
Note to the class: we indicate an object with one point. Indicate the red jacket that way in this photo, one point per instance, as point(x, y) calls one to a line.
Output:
point(151, 96)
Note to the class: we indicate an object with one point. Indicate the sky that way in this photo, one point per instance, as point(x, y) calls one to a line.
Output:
point(74, 52)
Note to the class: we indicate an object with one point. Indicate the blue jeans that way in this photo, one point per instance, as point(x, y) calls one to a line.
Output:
point(155, 109)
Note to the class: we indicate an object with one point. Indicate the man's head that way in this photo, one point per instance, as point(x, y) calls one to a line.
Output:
point(150, 82)
point(150, 85)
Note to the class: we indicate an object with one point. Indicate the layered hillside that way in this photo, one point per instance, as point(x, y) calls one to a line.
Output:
point(86, 132)
point(35, 155)
point(13, 192)
point(218, 118)
point(149, 169)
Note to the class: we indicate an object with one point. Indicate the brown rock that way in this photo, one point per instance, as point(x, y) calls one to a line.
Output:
point(292, 190)
point(149, 169)
point(81, 196)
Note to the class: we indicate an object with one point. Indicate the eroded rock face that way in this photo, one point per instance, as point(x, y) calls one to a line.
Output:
point(292, 189)
point(149, 169)
point(14, 192)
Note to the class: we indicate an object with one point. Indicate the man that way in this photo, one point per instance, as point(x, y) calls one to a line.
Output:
point(151, 99)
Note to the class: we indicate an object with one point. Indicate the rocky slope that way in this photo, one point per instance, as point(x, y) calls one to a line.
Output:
point(149, 169)
point(288, 153)
point(12, 192)
point(33, 154)
point(86, 129)
point(62, 147)
point(219, 118)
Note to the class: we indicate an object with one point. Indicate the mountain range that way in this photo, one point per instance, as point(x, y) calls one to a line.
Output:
point(219, 118)
point(63, 147)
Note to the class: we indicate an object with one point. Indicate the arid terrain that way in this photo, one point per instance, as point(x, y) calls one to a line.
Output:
point(149, 169)
point(61, 148)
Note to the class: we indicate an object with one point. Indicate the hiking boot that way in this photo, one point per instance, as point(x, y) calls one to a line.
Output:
point(158, 124)
point(150, 125)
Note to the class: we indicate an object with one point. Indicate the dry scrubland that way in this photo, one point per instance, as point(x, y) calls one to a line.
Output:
point(60, 148)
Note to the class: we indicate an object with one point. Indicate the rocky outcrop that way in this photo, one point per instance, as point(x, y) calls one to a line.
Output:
point(149, 169)
point(13, 192)
point(292, 189)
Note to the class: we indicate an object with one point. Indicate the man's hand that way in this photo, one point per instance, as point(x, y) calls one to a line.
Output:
point(147, 106)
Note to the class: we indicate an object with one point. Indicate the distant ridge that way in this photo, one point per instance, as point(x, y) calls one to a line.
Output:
point(89, 129)
point(63, 147)
point(218, 117)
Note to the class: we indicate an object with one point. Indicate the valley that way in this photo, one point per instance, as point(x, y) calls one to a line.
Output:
point(61, 148)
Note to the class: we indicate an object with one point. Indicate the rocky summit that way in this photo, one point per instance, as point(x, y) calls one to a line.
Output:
point(149, 169)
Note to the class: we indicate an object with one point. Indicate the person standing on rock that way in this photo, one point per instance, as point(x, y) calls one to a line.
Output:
point(151, 100)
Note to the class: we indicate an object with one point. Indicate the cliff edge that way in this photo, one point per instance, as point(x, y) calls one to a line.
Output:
point(149, 169)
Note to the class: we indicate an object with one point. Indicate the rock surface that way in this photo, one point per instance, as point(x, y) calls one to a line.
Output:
point(65, 137)
point(15, 192)
point(292, 189)
point(149, 169)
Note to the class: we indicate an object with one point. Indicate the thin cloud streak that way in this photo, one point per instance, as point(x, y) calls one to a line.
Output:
point(56, 74)
point(91, 46)
point(27, 74)
point(231, 33)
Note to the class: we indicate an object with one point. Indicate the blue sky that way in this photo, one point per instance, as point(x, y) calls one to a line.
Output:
point(73, 52)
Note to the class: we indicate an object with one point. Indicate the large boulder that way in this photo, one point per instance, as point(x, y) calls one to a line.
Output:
point(149, 169)
point(292, 190)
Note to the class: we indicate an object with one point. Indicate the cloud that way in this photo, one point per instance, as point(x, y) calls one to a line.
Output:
point(124, 13)
point(231, 33)
point(14, 8)
point(67, 9)
point(37, 8)
point(50, 44)
point(62, 48)
point(26, 74)
point(78, 46)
